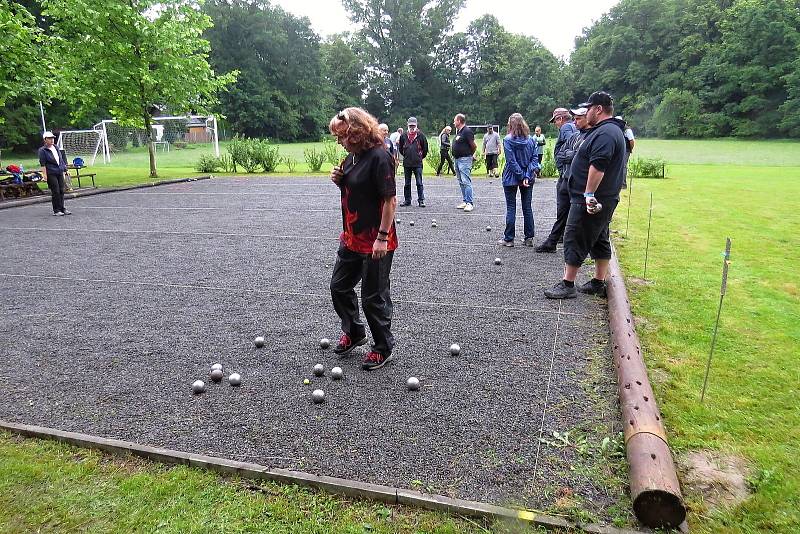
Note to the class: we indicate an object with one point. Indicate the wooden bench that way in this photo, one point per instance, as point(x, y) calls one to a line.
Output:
point(78, 175)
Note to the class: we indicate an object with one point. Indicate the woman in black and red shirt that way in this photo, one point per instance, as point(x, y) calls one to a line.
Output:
point(368, 240)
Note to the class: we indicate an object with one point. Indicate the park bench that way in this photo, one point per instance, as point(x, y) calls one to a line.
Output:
point(78, 175)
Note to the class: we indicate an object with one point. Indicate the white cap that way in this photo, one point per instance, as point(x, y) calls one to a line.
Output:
point(579, 111)
point(47, 134)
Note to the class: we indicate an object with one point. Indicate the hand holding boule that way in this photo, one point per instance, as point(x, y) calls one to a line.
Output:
point(593, 207)
point(336, 175)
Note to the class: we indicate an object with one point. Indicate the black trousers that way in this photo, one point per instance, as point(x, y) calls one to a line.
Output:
point(588, 235)
point(445, 156)
point(352, 267)
point(562, 211)
point(55, 182)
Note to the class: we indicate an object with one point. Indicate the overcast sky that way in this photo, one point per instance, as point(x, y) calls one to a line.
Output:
point(554, 23)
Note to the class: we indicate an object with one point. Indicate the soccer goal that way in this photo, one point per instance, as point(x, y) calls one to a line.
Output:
point(86, 144)
point(169, 133)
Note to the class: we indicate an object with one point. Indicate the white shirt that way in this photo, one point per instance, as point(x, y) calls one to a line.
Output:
point(629, 134)
point(54, 151)
point(395, 137)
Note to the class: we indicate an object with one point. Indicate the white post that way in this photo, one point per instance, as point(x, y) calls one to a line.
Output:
point(216, 136)
point(107, 151)
point(41, 111)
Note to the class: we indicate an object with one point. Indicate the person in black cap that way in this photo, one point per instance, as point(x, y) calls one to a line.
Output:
point(413, 147)
point(54, 167)
point(595, 180)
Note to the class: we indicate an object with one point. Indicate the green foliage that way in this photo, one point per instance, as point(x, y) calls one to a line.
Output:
point(314, 159)
point(549, 168)
point(253, 153)
point(134, 57)
point(25, 61)
point(280, 93)
point(343, 70)
point(291, 163)
point(226, 163)
point(208, 163)
point(333, 152)
point(647, 167)
point(433, 158)
point(680, 115)
point(479, 161)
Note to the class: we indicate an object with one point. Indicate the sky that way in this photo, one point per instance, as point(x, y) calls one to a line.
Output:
point(554, 23)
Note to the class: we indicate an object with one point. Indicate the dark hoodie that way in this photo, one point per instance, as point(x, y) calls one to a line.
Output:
point(603, 147)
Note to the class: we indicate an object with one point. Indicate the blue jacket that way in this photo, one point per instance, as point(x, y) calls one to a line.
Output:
point(521, 160)
point(47, 160)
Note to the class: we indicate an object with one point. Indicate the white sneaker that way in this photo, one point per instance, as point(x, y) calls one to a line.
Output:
point(461, 206)
point(469, 207)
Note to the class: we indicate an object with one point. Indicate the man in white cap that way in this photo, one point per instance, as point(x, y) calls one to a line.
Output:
point(54, 167)
point(413, 147)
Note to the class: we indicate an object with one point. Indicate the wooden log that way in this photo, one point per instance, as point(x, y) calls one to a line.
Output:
point(655, 491)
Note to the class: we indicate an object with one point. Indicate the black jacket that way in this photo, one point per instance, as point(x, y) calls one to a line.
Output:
point(47, 160)
point(413, 153)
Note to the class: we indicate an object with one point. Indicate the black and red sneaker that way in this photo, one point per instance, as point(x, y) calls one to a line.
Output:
point(346, 344)
point(375, 360)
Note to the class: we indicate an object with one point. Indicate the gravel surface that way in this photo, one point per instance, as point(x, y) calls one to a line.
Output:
point(110, 314)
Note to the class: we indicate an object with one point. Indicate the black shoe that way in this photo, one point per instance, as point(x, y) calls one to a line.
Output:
point(545, 247)
point(346, 344)
point(561, 291)
point(593, 287)
point(421, 203)
point(406, 203)
point(375, 360)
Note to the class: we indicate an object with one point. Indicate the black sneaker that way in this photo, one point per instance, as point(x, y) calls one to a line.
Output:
point(346, 344)
point(545, 247)
point(561, 291)
point(375, 360)
point(421, 203)
point(593, 287)
point(406, 203)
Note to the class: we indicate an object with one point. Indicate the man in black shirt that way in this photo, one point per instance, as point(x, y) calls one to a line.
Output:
point(463, 149)
point(413, 146)
point(595, 179)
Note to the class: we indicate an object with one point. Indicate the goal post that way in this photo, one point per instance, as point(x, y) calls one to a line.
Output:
point(168, 132)
point(85, 144)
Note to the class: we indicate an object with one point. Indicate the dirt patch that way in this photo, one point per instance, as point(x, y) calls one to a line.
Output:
point(720, 479)
point(636, 281)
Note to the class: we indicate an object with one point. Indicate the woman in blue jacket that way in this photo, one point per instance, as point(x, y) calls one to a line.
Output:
point(519, 173)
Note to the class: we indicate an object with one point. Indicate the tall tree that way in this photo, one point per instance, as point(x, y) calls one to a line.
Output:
point(344, 72)
point(136, 55)
point(280, 92)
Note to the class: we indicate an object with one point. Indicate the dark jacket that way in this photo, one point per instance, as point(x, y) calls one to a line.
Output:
point(47, 160)
point(567, 130)
point(521, 160)
point(444, 141)
point(413, 152)
point(568, 149)
point(604, 148)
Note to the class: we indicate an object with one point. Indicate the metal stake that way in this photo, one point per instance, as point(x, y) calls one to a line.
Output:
point(647, 245)
point(628, 217)
point(725, 263)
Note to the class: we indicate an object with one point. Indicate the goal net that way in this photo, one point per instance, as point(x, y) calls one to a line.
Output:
point(169, 133)
point(85, 144)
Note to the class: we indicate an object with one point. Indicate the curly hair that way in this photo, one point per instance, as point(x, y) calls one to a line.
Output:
point(517, 126)
point(358, 127)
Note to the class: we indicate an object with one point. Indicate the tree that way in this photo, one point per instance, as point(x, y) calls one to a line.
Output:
point(136, 56)
point(281, 91)
point(344, 72)
point(23, 59)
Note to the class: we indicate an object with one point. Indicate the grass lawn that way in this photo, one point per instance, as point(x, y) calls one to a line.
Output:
point(751, 407)
point(51, 487)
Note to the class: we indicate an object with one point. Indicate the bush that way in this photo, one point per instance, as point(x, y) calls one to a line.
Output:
point(266, 155)
point(433, 158)
point(252, 154)
point(479, 161)
point(291, 163)
point(333, 153)
point(226, 163)
point(208, 163)
point(548, 165)
point(646, 168)
point(314, 158)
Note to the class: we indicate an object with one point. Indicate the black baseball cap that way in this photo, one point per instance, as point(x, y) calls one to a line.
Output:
point(598, 98)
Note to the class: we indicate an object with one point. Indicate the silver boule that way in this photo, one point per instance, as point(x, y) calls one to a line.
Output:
point(198, 386)
point(411, 223)
point(488, 228)
point(433, 225)
point(324, 343)
point(498, 261)
point(318, 396)
point(337, 373)
point(216, 366)
point(319, 370)
point(412, 383)
point(235, 379)
point(259, 341)
point(216, 375)
point(455, 350)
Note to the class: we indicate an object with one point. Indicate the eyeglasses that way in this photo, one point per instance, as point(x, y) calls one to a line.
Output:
point(412, 126)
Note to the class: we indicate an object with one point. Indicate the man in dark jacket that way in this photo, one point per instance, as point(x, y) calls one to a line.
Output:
point(54, 167)
point(595, 180)
point(565, 154)
point(413, 146)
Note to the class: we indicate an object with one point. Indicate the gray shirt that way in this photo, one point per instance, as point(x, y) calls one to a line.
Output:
point(491, 143)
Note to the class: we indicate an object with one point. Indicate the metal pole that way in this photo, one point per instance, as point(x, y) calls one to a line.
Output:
point(725, 263)
point(647, 245)
point(216, 137)
point(628, 217)
point(107, 158)
point(41, 111)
